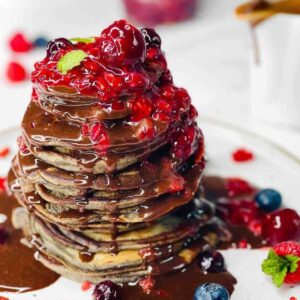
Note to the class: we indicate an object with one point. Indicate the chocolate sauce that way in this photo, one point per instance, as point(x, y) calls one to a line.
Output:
point(178, 285)
point(20, 272)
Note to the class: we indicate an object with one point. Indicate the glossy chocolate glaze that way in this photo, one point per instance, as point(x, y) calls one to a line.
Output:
point(20, 271)
point(176, 285)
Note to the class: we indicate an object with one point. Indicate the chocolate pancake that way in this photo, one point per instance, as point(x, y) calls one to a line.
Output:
point(91, 161)
point(167, 230)
point(151, 210)
point(50, 131)
point(67, 258)
point(136, 176)
point(74, 107)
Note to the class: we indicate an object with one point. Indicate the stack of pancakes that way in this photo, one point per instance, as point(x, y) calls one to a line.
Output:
point(105, 197)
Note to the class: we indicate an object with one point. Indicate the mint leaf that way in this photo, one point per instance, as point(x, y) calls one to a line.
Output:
point(276, 266)
point(70, 60)
point(293, 260)
point(83, 40)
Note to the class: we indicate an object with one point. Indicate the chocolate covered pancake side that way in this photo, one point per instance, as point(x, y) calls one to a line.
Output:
point(110, 162)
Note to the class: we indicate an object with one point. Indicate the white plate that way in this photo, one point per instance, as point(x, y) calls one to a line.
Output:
point(272, 167)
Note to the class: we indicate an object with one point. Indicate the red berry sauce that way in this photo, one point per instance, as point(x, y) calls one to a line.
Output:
point(19, 43)
point(15, 72)
point(125, 68)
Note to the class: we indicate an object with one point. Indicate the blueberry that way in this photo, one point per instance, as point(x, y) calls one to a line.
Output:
point(211, 291)
point(268, 200)
point(40, 42)
point(211, 261)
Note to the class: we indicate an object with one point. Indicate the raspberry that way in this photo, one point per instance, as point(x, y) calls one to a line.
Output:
point(287, 248)
point(137, 81)
point(237, 186)
point(19, 43)
point(4, 152)
point(242, 155)
point(141, 109)
point(15, 72)
point(114, 81)
point(146, 129)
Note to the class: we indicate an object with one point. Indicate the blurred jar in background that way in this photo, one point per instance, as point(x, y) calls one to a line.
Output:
point(275, 74)
point(154, 12)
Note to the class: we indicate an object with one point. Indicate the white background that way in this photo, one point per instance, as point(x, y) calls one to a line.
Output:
point(209, 56)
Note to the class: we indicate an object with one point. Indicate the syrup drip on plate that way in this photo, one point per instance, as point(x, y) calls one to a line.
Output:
point(20, 271)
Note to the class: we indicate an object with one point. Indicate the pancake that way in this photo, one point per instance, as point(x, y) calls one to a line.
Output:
point(122, 265)
point(153, 209)
point(169, 229)
point(51, 131)
point(91, 161)
point(136, 176)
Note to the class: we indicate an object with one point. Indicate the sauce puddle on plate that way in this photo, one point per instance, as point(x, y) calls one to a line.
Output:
point(20, 271)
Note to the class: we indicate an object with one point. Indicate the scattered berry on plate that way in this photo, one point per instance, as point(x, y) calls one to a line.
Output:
point(211, 291)
point(282, 225)
point(283, 263)
point(242, 155)
point(268, 199)
point(211, 261)
point(237, 186)
point(86, 285)
point(106, 290)
point(3, 298)
point(15, 72)
point(40, 42)
point(4, 152)
point(19, 43)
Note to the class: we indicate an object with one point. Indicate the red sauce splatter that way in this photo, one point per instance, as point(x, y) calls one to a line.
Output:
point(242, 155)
point(4, 152)
point(85, 286)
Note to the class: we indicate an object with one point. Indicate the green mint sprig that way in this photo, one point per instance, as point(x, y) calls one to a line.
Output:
point(83, 40)
point(279, 266)
point(71, 60)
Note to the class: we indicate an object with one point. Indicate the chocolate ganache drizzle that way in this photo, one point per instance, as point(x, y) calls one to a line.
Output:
point(109, 166)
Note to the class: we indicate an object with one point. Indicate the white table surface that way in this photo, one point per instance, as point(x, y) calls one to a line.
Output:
point(209, 56)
